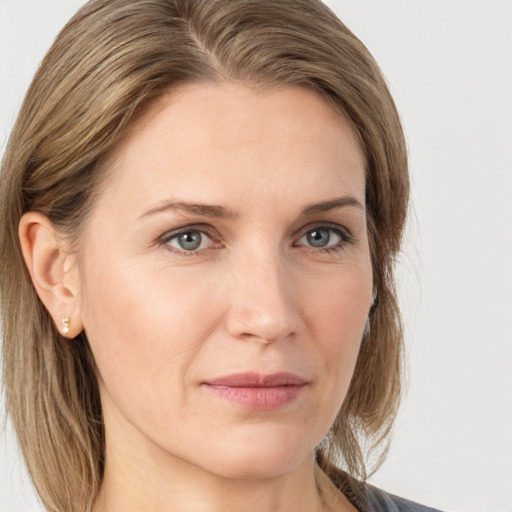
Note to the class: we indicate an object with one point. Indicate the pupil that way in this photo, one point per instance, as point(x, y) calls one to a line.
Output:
point(190, 241)
point(318, 237)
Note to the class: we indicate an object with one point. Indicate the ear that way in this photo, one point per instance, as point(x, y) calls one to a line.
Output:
point(53, 270)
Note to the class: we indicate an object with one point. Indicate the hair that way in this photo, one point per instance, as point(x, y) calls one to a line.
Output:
point(109, 62)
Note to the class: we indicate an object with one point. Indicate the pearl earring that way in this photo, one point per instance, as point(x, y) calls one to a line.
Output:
point(65, 325)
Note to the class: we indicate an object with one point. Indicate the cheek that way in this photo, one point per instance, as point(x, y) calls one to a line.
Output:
point(337, 305)
point(336, 313)
point(142, 325)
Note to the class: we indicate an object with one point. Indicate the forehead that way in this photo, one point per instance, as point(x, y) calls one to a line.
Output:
point(216, 138)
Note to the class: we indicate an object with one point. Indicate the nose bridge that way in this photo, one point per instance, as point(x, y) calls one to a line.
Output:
point(263, 299)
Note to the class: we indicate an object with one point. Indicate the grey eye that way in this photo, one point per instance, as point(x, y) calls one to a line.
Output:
point(189, 240)
point(321, 237)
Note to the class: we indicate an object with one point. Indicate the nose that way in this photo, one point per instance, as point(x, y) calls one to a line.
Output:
point(264, 301)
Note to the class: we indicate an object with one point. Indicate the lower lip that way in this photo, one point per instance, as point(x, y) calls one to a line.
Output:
point(263, 398)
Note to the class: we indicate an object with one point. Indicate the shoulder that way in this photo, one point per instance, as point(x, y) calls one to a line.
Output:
point(366, 498)
point(381, 501)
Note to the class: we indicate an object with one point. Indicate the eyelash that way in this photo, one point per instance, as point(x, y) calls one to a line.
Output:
point(167, 237)
point(344, 234)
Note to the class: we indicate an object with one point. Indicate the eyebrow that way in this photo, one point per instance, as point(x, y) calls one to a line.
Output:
point(221, 212)
point(202, 209)
point(331, 205)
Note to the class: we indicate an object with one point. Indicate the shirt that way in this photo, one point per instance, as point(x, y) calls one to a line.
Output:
point(365, 497)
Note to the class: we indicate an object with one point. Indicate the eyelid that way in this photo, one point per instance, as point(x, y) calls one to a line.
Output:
point(203, 228)
point(344, 231)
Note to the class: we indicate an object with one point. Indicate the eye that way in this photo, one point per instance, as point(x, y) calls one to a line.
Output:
point(190, 240)
point(321, 237)
point(325, 237)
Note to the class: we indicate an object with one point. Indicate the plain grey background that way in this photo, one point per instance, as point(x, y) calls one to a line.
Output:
point(449, 66)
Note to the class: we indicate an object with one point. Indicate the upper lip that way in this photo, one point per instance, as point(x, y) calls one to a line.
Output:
point(255, 379)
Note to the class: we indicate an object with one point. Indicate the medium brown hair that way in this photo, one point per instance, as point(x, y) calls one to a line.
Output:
point(110, 61)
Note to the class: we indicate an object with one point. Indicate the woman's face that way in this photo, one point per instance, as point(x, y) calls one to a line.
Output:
point(226, 279)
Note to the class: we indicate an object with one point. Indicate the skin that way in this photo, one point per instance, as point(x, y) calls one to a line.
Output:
point(258, 294)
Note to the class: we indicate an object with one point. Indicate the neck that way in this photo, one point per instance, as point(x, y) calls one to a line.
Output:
point(181, 486)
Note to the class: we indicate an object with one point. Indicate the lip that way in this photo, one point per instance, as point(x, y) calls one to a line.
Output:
point(253, 390)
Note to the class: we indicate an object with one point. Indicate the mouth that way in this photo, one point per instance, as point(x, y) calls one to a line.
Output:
point(253, 390)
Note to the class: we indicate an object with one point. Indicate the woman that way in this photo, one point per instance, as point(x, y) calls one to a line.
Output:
point(201, 206)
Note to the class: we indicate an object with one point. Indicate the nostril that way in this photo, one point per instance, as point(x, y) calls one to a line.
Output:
point(262, 341)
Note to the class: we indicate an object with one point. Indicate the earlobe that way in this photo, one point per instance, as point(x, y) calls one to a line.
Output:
point(54, 277)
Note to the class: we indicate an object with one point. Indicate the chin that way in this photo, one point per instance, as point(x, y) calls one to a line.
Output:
point(262, 457)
